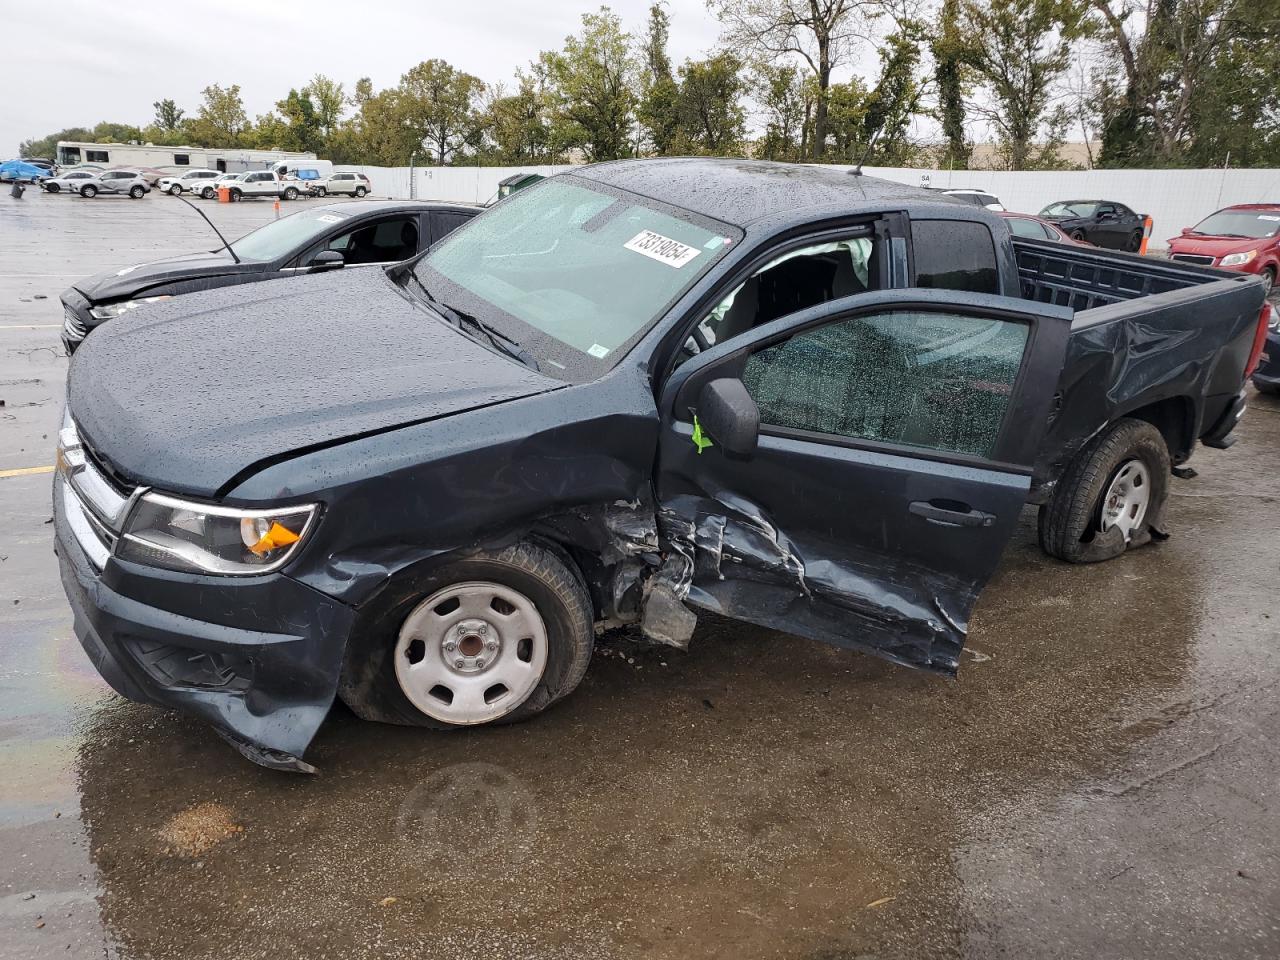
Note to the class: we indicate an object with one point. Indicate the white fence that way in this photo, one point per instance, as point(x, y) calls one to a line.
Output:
point(1173, 198)
point(466, 184)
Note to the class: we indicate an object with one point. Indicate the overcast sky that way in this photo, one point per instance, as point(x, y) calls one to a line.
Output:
point(77, 62)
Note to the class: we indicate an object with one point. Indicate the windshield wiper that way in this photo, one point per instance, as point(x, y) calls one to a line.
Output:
point(497, 339)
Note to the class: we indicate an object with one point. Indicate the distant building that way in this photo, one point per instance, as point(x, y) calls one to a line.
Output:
point(228, 160)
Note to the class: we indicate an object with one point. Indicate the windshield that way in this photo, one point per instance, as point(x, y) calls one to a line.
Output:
point(281, 237)
point(1070, 208)
point(573, 273)
point(1254, 224)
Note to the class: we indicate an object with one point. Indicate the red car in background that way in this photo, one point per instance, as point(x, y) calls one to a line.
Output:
point(1245, 237)
point(1025, 225)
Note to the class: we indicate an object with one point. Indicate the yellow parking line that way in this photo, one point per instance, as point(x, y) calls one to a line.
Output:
point(26, 471)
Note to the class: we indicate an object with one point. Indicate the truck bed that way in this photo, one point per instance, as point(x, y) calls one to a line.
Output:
point(1087, 277)
point(1158, 340)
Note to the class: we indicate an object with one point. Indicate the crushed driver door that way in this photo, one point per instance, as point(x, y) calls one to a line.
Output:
point(896, 437)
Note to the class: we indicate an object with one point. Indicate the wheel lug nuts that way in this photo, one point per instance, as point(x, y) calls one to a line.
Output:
point(492, 644)
point(451, 646)
point(479, 663)
point(482, 629)
point(460, 664)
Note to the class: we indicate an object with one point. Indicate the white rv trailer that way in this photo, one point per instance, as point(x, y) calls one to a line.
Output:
point(229, 160)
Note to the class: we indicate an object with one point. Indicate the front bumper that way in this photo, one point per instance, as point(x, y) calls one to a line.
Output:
point(258, 658)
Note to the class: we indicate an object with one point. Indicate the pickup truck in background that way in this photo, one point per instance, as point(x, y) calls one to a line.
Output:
point(266, 183)
point(793, 396)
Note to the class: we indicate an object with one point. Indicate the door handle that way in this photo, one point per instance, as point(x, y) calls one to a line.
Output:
point(957, 516)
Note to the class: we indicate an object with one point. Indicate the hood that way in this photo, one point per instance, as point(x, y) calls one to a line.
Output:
point(136, 280)
point(191, 392)
point(1210, 246)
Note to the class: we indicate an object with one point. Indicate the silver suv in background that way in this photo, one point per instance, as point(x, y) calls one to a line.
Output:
point(191, 180)
point(130, 182)
point(345, 181)
point(70, 181)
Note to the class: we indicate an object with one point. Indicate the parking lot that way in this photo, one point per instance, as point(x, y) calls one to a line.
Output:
point(1100, 781)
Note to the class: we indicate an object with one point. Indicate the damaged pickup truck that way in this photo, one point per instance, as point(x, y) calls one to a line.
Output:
point(791, 395)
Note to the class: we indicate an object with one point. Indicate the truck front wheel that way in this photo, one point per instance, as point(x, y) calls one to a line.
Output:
point(496, 637)
point(1112, 496)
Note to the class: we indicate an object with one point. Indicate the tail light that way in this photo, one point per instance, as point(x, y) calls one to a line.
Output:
point(1266, 318)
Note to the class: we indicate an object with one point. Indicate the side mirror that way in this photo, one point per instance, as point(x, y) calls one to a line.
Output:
point(729, 416)
point(1186, 231)
point(326, 260)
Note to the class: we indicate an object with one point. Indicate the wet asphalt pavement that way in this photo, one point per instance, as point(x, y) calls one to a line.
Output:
point(1102, 781)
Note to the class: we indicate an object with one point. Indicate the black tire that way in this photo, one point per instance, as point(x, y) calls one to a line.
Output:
point(51, 188)
point(360, 192)
point(1269, 278)
point(1135, 242)
point(174, 189)
point(89, 190)
point(321, 191)
point(1070, 523)
point(1078, 236)
point(236, 196)
point(135, 193)
point(1270, 389)
point(208, 193)
point(290, 193)
point(368, 684)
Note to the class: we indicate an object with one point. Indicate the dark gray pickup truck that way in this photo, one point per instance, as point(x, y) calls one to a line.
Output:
point(789, 395)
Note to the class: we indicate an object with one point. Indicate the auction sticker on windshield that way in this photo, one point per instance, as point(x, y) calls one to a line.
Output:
point(330, 218)
point(663, 249)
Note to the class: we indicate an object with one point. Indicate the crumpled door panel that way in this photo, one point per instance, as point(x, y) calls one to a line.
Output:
point(728, 556)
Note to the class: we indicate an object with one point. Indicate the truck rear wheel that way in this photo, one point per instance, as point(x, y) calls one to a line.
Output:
point(1112, 496)
point(496, 637)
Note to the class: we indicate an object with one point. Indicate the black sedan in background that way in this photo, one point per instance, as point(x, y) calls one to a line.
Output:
point(1104, 223)
point(357, 233)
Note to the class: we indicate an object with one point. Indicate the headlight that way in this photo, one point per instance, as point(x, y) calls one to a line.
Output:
point(194, 537)
point(1235, 259)
point(112, 310)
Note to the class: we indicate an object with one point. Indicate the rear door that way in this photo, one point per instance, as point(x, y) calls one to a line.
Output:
point(898, 430)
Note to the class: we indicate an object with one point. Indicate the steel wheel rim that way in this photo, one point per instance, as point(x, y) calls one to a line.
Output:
point(1124, 505)
point(471, 652)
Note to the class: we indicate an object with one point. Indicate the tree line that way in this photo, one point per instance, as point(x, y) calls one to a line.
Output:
point(1154, 83)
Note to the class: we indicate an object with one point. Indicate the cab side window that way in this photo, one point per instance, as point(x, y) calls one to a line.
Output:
point(936, 380)
point(954, 255)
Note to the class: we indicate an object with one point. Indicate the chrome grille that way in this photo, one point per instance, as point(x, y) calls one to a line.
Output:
point(1192, 258)
point(71, 325)
point(95, 507)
